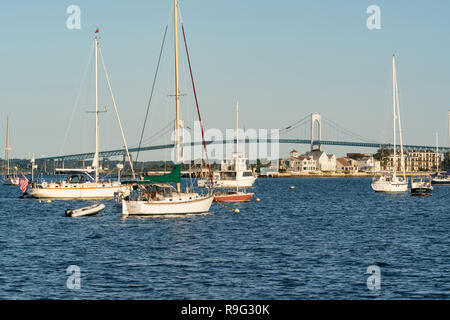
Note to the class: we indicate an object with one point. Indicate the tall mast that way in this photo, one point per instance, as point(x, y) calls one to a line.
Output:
point(177, 91)
point(6, 164)
point(394, 115)
point(237, 127)
point(437, 151)
point(95, 163)
point(402, 159)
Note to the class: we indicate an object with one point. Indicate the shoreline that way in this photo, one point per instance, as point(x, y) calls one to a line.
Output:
point(335, 175)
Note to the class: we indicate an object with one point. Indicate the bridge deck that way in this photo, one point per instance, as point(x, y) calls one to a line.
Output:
point(122, 152)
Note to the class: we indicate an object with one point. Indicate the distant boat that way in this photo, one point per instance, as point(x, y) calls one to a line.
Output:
point(236, 195)
point(390, 181)
point(233, 172)
point(7, 177)
point(441, 178)
point(421, 186)
point(79, 183)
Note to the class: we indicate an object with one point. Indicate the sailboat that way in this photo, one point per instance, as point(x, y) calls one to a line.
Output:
point(156, 195)
point(84, 183)
point(233, 171)
point(442, 178)
point(7, 177)
point(234, 195)
point(390, 181)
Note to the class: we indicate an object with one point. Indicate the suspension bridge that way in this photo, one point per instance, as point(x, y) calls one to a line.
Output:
point(311, 125)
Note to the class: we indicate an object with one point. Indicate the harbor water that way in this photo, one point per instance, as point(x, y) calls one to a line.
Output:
point(314, 241)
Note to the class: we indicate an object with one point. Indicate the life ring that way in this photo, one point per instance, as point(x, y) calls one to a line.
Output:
point(44, 184)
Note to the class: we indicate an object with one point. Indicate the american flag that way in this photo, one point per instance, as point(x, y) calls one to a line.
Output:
point(23, 184)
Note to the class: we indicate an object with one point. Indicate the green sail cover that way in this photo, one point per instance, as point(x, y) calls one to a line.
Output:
point(174, 176)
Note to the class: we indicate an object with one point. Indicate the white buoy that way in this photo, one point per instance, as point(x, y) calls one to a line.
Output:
point(48, 201)
point(292, 187)
point(258, 199)
point(236, 210)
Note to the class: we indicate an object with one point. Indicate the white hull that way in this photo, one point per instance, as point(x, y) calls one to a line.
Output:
point(392, 185)
point(89, 190)
point(439, 180)
point(88, 211)
point(244, 182)
point(187, 203)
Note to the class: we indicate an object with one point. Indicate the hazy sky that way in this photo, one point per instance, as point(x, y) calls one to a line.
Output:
point(280, 59)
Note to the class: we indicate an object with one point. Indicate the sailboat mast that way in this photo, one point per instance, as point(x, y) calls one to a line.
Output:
point(237, 127)
point(437, 151)
point(237, 142)
point(6, 164)
point(95, 164)
point(402, 159)
point(177, 91)
point(394, 115)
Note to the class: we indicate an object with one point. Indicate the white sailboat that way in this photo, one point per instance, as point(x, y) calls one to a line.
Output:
point(80, 184)
point(156, 196)
point(7, 177)
point(390, 181)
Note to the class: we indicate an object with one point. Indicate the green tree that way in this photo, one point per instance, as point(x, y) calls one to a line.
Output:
point(382, 155)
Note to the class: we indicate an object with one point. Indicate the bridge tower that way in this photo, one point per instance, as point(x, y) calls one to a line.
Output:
point(316, 117)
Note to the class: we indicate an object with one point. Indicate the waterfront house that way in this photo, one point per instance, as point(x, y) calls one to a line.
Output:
point(297, 163)
point(346, 165)
point(324, 162)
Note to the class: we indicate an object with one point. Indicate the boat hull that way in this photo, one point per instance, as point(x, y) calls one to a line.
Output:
point(166, 207)
point(240, 197)
point(10, 181)
point(441, 182)
point(87, 211)
point(241, 183)
point(421, 192)
point(84, 191)
point(389, 184)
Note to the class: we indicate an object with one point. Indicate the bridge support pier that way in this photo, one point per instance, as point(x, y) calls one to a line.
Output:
point(316, 117)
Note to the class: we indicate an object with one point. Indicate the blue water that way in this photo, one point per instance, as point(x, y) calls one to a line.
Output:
point(312, 242)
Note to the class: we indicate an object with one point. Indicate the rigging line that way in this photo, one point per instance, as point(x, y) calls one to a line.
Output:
point(198, 110)
point(117, 113)
point(164, 129)
point(151, 94)
point(83, 78)
point(163, 132)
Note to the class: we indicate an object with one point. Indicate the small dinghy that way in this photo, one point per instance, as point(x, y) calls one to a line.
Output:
point(87, 211)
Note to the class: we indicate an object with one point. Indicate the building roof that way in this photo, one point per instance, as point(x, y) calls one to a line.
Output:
point(344, 161)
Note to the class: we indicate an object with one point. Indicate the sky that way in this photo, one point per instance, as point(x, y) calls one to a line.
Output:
point(279, 59)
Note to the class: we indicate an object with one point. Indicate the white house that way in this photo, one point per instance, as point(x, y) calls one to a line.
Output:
point(368, 164)
point(296, 163)
point(324, 162)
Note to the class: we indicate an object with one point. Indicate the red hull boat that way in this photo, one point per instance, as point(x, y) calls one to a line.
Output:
point(233, 197)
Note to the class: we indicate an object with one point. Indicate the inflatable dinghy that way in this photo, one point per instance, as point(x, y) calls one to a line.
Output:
point(87, 211)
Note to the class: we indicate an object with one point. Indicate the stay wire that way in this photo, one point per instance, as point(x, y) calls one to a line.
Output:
point(151, 93)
